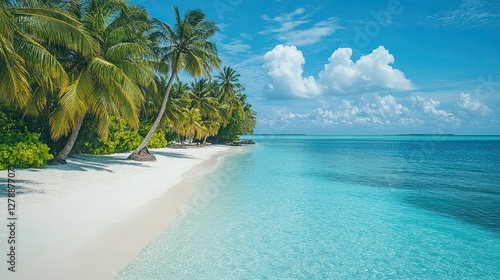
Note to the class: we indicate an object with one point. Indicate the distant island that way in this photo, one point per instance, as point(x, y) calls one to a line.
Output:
point(423, 134)
point(279, 134)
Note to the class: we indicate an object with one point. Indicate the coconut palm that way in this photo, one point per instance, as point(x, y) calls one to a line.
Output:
point(105, 83)
point(229, 86)
point(186, 46)
point(203, 97)
point(250, 118)
point(210, 128)
point(191, 124)
point(26, 29)
point(230, 89)
point(178, 100)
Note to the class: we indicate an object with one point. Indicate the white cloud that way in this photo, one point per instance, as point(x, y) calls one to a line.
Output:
point(370, 72)
point(310, 35)
point(287, 17)
point(377, 111)
point(430, 109)
point(370, 110)
point(471, 105)
point(285, 27)
point(472, 12)
point(284, 65)
point(235, 47)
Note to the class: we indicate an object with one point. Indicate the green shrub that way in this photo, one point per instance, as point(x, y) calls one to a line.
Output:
point(121, 139)
point(18, 146)
point(118, 142)
point(25, 153)
point(170, 135)
point(157, 139)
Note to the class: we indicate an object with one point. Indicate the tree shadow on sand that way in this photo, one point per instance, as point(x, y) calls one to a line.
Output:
point(172, 155)
point(84, 163)
point(19, 189)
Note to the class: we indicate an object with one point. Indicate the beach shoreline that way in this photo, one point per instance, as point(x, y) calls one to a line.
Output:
point(90, 218)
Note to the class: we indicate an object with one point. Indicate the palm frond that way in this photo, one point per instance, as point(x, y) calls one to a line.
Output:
point(56, 27)
point(39, 58)
point(14, 88)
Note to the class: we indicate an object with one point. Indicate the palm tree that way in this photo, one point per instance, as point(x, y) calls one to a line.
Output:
point(230, 89)
point(229, 86)
point(210, 128)
point(191, 124)
point(202, 97)
point(223, 114)
point(178, 100)
point(250, 118)
point(186, 47)
point(26, 29)
point(105, 83)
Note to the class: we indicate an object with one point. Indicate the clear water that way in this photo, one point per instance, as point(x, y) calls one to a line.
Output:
point(339, 208)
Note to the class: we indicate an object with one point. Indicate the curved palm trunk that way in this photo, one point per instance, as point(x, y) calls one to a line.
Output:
point(63, 154)
point(142, 153)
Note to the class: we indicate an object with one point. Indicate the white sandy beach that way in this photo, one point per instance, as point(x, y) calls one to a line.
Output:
point(88, 219)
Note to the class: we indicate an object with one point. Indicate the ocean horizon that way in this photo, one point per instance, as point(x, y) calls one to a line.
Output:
point(339, 207)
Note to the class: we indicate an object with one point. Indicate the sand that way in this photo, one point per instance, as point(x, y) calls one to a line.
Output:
point(89, 219)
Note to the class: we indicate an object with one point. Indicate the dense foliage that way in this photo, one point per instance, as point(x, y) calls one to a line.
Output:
point(18, 146)
point(97, 77)
point(121, 139)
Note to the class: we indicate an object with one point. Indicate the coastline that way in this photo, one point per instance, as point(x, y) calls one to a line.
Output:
point(90, 218)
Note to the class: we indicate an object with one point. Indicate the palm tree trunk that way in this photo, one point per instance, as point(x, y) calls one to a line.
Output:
point(204, 140)
point(48, 100)
point(63, 154)
point(136, 154)
point(46, 115)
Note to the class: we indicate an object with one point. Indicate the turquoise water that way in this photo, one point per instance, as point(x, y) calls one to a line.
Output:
point(306, 207)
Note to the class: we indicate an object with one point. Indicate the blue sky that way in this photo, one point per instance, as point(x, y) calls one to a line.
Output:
point(361, 66)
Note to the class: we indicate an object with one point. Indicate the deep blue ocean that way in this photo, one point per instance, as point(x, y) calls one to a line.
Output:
point(339, 207)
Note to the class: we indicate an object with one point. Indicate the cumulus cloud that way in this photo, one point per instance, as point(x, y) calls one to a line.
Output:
point(284, 65)
point(376, 111)
point(430, 109)
point(370, 110)
point(370, 72)
point(470, 105)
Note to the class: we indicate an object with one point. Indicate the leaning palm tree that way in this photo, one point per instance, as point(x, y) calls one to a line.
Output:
point(186, 47)
point(105, 83)
point(26, 29)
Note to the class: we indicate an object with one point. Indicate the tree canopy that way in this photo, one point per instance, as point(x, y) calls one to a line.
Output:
point(107, 71)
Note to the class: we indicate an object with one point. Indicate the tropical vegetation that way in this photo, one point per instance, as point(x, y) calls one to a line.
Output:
point(102, 76)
